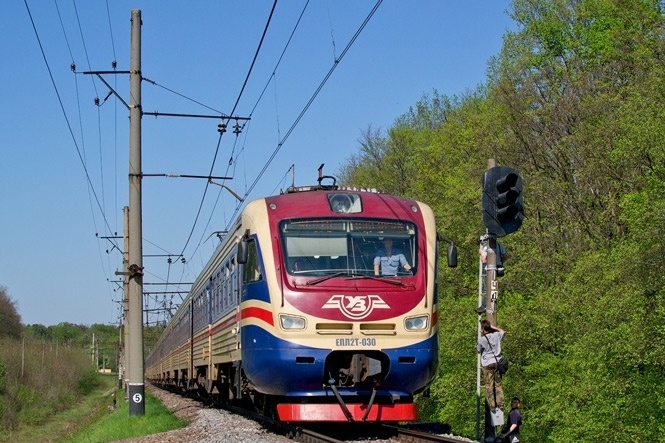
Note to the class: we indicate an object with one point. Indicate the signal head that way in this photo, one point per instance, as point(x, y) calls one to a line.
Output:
point(502, 201)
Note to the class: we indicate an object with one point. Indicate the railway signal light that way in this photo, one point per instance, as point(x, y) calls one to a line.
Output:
point(503, 208)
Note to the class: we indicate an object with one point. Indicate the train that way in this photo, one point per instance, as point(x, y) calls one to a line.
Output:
point(294, 317)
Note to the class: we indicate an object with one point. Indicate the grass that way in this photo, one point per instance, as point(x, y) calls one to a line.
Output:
point(119, 425)
point(94, 421)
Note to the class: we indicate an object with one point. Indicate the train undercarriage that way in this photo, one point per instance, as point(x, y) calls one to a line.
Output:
point(350, 391)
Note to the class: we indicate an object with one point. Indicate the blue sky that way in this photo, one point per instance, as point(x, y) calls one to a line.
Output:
point(64, 160)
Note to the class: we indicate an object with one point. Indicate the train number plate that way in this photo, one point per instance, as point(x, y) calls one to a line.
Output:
point(355, 342)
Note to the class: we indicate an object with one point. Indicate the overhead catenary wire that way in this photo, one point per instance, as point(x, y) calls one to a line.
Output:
point(80, 149)
point(114, 65)
point(78, 101)
point(214, 160)
point(152, 82)
point(102, 191)
point(108, 16)
point(309, 103)
point(295, 123)
point(67, 121)
point(232, 164)
point(221, 114)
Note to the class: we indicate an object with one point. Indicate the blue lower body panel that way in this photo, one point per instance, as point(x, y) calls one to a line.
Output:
point(279, 367)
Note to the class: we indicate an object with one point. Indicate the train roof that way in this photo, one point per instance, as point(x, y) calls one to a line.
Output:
point(341, 201)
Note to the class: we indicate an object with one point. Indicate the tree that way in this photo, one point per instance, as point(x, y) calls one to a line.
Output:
point(10, 320)
point(574, 103)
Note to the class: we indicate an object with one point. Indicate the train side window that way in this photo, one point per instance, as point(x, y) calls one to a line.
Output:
point(234, 282)
point(251, 271)
point(219, 291)
point(227, 285)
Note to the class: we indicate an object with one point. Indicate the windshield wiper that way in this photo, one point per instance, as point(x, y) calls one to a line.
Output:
point(354, 276)
point(316, 281)
point(379, 278)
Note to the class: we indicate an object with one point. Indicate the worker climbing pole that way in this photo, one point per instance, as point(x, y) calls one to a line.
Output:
point(502, 214)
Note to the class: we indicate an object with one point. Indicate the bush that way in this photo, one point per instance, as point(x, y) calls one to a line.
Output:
point(88, 382)
point(3, 373)
point(38, 379)
point(10, 320)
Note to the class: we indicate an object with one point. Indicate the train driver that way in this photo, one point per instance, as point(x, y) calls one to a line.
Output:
point(388, 260)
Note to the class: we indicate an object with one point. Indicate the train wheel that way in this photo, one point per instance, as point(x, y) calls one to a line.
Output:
point(264, 405)
point(203, 385)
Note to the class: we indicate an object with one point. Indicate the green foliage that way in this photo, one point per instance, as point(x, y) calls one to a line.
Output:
point(51, 369)
point(39, 379)
point(71, 336)
point(53, 425)
point(601, 349)
point(39, 331)
point(10, 320)
point(3, 377)
point(575, 103)
point(88, 382)
point(453, 398)
point(119, 425)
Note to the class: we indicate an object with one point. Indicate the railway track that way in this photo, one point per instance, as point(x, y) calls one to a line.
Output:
point(404, 435)
point(324, 434)
point(339, 433)
point(293, 432)
point(377, 433)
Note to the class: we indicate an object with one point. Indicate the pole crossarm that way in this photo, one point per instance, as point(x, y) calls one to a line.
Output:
point(167, 283)
point(156, 113)
point(207, 177)
point(172, 114)
point(98, 73)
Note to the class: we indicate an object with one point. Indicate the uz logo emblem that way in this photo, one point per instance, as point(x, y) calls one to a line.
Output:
point(355, 303)
point(356, 307)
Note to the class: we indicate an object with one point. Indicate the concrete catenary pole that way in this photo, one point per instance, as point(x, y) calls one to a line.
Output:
point(136, 375)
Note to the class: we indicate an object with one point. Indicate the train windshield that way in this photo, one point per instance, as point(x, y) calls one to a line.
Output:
point(324, 247)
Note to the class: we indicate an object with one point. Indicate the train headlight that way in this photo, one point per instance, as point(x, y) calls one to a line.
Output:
point(345, 203)
point(416, 323)
point(290, 322)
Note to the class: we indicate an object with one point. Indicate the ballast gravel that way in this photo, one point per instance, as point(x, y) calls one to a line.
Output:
point(205, 425)
point(215, 425)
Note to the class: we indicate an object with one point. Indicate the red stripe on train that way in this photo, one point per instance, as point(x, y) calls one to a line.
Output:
point(332, 412)
point(260, 313)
